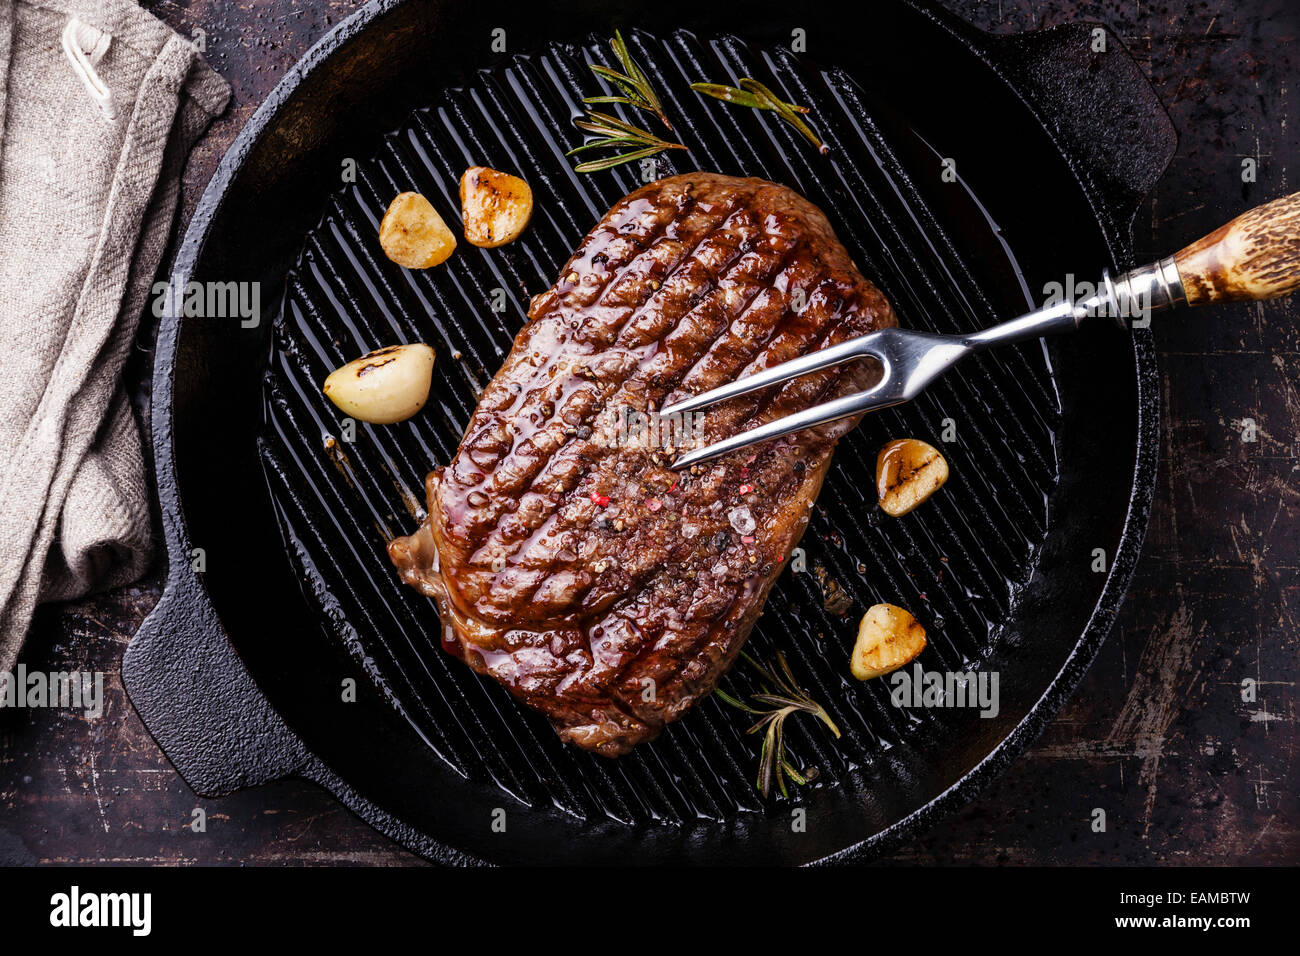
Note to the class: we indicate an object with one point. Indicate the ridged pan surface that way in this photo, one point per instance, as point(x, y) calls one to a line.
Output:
point(957, 562)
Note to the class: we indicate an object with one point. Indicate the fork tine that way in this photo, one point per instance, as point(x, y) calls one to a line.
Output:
point(871, 399)
point(860, 347)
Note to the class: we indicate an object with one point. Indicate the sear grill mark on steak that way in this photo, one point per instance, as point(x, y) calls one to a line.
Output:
point(600, 587)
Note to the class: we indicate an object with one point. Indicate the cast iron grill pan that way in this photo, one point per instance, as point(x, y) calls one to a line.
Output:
point(958, 563)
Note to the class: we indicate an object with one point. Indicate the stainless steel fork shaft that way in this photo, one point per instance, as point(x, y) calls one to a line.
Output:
point(910, 361)
point(1127, 299)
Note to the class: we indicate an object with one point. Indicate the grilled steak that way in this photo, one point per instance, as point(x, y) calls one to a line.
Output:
point(567, 559)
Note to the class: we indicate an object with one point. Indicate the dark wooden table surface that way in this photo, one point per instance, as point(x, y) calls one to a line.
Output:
point(1158, 733)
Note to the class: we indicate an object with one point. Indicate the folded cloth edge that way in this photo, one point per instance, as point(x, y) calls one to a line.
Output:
point(180, 94)
point(131, 24)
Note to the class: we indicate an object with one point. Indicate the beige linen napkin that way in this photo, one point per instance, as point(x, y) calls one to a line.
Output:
point(99, 105)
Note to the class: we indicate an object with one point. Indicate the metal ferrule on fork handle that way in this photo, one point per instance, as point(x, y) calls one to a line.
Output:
point(1133, 296)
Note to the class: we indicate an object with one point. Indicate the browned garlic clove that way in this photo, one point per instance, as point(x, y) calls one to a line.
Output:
point(908, 471)
point(386, 386)
point(494, 206)
point(413, 235)
point(888, 638)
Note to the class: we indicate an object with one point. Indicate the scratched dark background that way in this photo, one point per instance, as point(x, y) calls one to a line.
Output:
point(1157, 734)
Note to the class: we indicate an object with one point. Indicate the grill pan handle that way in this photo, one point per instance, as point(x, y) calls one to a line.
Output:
point(195, 696)
point(1091, 96)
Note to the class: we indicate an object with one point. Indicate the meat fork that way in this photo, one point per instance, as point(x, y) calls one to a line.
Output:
point(1255, 256)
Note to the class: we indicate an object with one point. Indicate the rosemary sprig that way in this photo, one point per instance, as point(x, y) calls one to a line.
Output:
point(633, 82)
point(635, 91)
point(616, 133)
point(754, 94)
point(782, 695)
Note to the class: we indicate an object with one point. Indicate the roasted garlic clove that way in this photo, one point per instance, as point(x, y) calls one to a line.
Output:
point(495, 206)
point(386, 386)
point(888, 638)
point(413, 235)
point(907, 472)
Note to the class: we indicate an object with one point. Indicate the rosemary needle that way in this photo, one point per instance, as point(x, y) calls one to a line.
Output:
point(633, 82)
point(634, 90)
point(616, 133)
point(782, 696)
point(754, 94)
